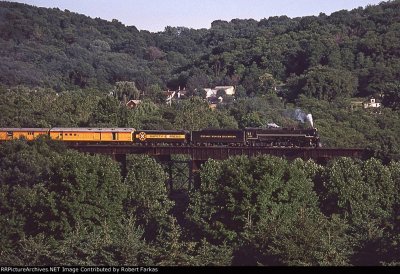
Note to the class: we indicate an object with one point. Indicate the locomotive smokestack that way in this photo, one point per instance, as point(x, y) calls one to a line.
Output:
point(310, 119)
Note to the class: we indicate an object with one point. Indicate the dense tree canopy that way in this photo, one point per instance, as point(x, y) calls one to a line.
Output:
point(64, 50)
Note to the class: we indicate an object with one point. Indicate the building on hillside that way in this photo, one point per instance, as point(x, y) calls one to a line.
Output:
point(372, 103)
point(133, 103)
point(356, 104)
point(212, 92)
point(229, 90)
point(174, 95)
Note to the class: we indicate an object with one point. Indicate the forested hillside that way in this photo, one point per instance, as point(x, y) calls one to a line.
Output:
point(347, 53)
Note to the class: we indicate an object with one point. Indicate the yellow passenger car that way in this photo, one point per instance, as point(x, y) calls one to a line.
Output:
point(92, 134)
point(27, 133)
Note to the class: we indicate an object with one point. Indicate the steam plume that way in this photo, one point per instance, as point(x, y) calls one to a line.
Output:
point(300, 115)
point(310, 119)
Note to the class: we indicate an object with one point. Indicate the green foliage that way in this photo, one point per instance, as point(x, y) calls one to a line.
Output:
point(259, 111)
point(24, 107)
point(173, 250)
point(51, 192)
point(147, 198)
point(125, 90)
point(64, 50)
point(194, 114)
point(32, 250)
point(324, 83)
point(105, 246)
point(148, 115)
point(106, 113)
point(340, 125)
point(365, 195)
point(308, 240)
point(90, 190)
point(238, 193)
point(124, 246)
point(60, 206)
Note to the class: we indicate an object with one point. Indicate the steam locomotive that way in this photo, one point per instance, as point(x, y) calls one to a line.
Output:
point(255, 137)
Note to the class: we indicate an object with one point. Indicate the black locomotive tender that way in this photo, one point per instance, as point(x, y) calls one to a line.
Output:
point(255, 137)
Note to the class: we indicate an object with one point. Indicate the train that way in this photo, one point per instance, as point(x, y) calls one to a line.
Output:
point(255, 137)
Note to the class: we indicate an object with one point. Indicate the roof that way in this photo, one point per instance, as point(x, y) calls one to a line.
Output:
point(134, 101)
point(92, 129)
point(377, 100)
point(24, 129)
point(168, 92)
point(224, 87)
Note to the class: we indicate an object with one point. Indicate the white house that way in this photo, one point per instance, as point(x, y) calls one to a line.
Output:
point(212, 92)
point(229, 90)
point(372, 103)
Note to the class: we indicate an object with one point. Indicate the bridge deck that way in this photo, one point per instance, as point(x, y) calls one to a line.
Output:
point(220, 153)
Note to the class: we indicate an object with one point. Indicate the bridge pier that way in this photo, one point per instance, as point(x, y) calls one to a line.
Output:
point(121, 159)
point(195, 166)
point(182, 174)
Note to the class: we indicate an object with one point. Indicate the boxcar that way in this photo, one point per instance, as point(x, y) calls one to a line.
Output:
point(218, 137)
point(161, 136)
point(27, 133)
point(92, 134)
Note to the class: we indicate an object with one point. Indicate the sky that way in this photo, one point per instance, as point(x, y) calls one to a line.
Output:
point(155, 15)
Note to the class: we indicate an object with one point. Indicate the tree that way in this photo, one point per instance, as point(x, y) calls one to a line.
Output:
point(325, 83)
point(68, 189)
point(23, 169)
point(194, 114)
point(105, 114)
point(391, 97)
point(147, 198)
point(268, 82)
point(125, 245)
point(239, 195)
point(309, 240)
point(363, 195)
point(174, 250)
point(125, 90)
point(83, 189)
